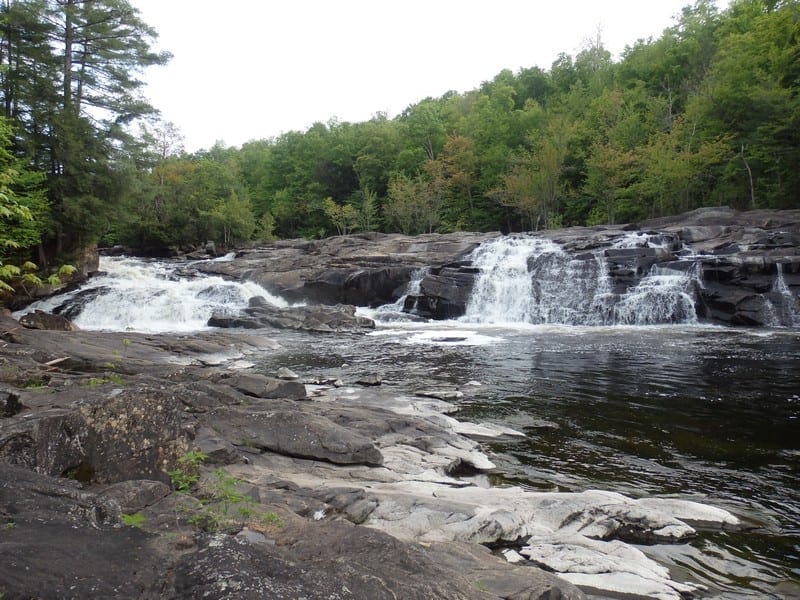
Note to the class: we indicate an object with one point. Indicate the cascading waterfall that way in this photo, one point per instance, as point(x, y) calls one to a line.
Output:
point(533, 280)
point(642, 239)
point(413, 288)
point(398, 310)
point(132, 295)
point(663, 296)
point(785, 309)
point(503, 291)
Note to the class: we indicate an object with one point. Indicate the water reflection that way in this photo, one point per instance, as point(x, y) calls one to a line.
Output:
point(705, 413)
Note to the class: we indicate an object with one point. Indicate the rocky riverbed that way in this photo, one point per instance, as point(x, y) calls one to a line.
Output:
point(165, 466)
point(308, 489)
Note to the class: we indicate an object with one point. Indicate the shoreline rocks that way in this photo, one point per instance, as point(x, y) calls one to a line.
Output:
point(356, 488)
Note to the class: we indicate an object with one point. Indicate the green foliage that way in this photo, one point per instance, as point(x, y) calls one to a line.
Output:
point(675, 124)
point(187, 472)
point(69, 84)
point(133, 520)
point(344, 218)
point(413, 204)
point(109, 378)
point(35, 384)
point(368, 214)
point(707, 113)
point(20, 205)
point(225, 507)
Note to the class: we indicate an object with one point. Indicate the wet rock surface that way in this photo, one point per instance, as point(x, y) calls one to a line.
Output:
point(88, 459)
point(353, 490)
point(318, 318)
point(362, 269)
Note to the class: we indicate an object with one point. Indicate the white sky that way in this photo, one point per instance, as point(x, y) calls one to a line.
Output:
point(253, 69)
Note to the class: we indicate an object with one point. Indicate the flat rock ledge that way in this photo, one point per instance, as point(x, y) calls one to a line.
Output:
point(351, 491)
point(319, 318)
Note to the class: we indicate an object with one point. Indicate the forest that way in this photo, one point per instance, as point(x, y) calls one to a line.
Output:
point(706, 114)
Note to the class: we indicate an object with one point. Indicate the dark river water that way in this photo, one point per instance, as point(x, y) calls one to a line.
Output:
point(711, 414)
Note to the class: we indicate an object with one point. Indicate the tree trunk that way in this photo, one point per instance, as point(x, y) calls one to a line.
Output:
point(69, 36)
point(750, 177)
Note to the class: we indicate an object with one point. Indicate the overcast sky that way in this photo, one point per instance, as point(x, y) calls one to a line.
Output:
point(253, 69)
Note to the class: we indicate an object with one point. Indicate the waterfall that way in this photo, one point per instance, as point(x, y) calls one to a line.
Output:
point(398, 310)
point(642, 239)
point(785, 310)
point(503, 290)
point(663, 296)
point(413, 287)
point(533, 280)
point(133, 295)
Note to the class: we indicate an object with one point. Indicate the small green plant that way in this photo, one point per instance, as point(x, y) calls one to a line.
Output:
point(119, 357)
point(114, 378)
point(133, 520)
point(10, 525)
point(224, 507)
point(270, 518)
point(186, 475)
point(35, 384)
point(225, 493)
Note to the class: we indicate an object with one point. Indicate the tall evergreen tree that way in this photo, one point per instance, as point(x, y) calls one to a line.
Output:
point(71, 86)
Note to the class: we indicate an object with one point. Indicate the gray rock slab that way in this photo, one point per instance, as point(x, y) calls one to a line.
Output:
point(261, 386)
point(296, 433)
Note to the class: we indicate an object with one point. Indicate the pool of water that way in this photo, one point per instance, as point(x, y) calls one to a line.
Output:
point(706, 413)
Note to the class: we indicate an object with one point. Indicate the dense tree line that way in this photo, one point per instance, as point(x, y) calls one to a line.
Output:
point(707, 114)
point(68, 91)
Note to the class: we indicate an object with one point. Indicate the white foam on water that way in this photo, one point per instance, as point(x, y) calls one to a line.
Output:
point(135, 295)
point(534, 281)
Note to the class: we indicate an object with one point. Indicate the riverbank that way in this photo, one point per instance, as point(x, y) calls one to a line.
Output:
point(307, 488)
point(414, 443)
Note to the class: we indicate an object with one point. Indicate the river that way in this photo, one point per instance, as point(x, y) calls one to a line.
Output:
point(699, 412)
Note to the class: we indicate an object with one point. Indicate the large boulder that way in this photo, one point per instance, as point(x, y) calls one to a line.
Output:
point(42, 320)
point(295, 433)
point(103, 437)
point(261, 386)
point(366, 269)
point(61, 541)
point(320, 318)
point(444, 292)
point(355, 563)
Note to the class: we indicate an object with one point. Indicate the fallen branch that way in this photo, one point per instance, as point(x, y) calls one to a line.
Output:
point(55, 361)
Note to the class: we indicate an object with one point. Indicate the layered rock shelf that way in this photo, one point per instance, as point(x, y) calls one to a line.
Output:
point(166, 466)
point(312, 489)
point(746, 266)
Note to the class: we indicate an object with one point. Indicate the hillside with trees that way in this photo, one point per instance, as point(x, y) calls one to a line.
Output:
point(707, 114)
